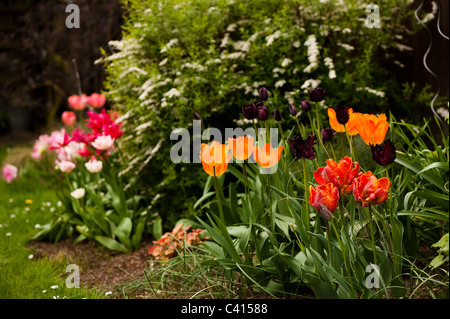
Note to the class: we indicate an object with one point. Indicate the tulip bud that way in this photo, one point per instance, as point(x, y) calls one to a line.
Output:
point(327, 134)
point(317, 94)
point(325, 212)
point(197, 116)
point(263, 113)
point(277, 115)
point(306, 105)
point(263, 94)
point(292, 110)
point(342, 114)
point(250, 111)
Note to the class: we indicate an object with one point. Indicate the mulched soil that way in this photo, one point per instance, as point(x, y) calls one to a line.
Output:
point(98, 267)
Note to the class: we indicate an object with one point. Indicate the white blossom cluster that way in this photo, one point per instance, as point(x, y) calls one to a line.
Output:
point(313, 54)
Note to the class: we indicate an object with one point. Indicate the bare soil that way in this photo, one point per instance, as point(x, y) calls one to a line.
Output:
point(98, 267)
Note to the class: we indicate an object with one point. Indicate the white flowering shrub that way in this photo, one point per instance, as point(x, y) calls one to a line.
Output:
point(178, 57)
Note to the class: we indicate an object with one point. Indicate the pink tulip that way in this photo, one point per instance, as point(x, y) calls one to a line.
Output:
point(40, 146)
point(96, 100)
point(10, 173)
point(69, 118)
point(78, 103)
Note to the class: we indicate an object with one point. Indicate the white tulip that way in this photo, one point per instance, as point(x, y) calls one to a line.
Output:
point(66, 166)
point(78, 193)
point(94, 166)
point(103, 142)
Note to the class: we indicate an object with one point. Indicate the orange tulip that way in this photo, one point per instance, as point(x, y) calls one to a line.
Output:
point(351, 130)
point(267, 156)
point(367, 189)
point(327, 195)
point(215, 158)
point(372, 128)
point(340, 174)
point(241, 147)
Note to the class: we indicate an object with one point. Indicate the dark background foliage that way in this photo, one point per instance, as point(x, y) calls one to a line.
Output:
point(36, 54)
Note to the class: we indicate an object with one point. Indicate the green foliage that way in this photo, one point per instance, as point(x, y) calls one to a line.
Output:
point(211, 57)
point(273, 237)
point(108, 213)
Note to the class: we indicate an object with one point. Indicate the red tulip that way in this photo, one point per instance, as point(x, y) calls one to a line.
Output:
point(340, 174)
point(367, 189)
point(326, 195)
point(69, 118)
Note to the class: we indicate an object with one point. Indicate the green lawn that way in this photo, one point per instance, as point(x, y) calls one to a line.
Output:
point(24, 204)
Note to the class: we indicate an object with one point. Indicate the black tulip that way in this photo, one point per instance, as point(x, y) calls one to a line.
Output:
point(342, 114)
point(277, 115)
point(306, 105)
point(263, 94)
point(317, 94)
point(292, 110)
point(383, 154)
point(250, 111)
point(327, 134)
point(301, 148)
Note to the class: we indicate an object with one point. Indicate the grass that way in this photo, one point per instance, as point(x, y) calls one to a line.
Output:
point(183, 277)
point(23, 205)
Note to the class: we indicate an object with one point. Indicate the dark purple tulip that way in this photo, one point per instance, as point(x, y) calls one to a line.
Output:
point(197, 116)
point(277, 115)
point(317, 94)
point(292, 110)
point(342, 115)
point(306, 105)
point(263, 113)
point(250, 111)
point(383, 154)
point(327, 134)
point(263, 94)
point(301, 148)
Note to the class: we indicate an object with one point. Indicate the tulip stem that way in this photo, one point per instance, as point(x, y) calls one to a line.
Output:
point(298, 124)
point(330, 255)
point(306, 214)
point(219, 202)
point(244, 171)
point(349, 142)
point(372, 234)
point(317, 117)
point(341, 211)
point(282, 138)
point(312, 124)
point(332, 150)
